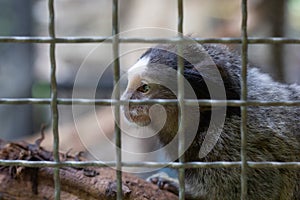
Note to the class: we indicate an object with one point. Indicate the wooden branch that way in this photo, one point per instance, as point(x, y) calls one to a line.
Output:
point(76, 183)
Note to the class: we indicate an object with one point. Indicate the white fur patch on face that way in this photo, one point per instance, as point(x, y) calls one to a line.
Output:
point(139, 66)
point(135, 74)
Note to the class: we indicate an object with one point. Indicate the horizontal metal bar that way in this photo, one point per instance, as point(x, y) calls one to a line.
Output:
point(25, 101)
point(237, 103)
point(219, 164)
point(273, 40)
point(285, 165)
point(109, 102)
point(24, 39)
point(99, 39)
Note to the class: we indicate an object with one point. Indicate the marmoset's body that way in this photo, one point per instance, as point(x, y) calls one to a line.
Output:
point(273, 133)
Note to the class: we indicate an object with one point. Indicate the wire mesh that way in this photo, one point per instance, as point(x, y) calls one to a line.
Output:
point(181, 117)
point(244, 98)
point(115, 41)
point(54, 101)
point(54, 108)
point(225, 40)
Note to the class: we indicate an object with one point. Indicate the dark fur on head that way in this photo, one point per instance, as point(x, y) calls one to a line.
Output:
point(229, 69)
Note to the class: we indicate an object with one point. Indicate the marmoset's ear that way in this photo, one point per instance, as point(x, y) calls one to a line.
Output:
point(231, 83)
point(207, 78)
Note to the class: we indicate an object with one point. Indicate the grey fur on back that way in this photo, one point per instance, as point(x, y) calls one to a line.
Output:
point(273, 135)
point(272, 132)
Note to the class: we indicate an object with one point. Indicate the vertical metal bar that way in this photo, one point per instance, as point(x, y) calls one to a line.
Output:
point(181, 118)
point(54, 108)
point(278, 30)
point(115, 32)
point(180, 18)
point(244, 98)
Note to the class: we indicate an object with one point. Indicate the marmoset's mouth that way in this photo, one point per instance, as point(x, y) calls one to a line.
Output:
point(142, 120)
point(137, 116)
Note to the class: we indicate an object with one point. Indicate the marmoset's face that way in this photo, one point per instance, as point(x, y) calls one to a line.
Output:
point(141, 87)
point(137, 88)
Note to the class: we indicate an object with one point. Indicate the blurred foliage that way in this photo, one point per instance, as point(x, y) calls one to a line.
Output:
point(41, 90)
point(6, 15)
point(294, 14)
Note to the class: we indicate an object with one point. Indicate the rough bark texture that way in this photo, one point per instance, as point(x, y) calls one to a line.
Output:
point(76, 183)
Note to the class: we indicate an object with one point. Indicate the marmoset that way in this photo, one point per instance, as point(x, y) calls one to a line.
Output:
point(273, 132)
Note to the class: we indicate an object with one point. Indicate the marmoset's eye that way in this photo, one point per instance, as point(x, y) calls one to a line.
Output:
point(145, 88)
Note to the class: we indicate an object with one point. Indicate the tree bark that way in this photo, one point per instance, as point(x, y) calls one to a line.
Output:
point(17, 182)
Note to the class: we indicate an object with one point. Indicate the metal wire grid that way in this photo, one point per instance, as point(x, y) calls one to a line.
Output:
point(115, 40)
point(244, 98)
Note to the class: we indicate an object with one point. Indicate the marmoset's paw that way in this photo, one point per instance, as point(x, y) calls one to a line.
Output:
point(165, 182)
